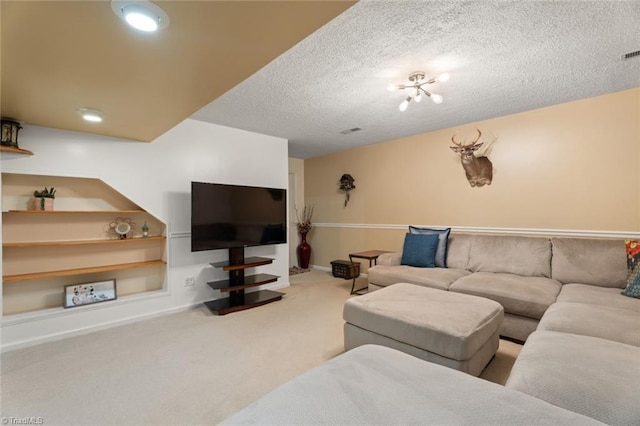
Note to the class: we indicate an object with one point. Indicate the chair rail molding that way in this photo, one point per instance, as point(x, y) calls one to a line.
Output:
point(490, 230)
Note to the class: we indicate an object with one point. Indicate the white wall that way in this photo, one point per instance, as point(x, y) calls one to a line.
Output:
point(157, 176)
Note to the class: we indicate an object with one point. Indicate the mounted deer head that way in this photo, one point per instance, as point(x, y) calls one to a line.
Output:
point(479, 170)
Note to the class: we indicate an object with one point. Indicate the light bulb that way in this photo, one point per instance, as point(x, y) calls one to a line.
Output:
point(392, 87)
point(403, 106)
point(92, 118)
point(437, 99)
point(140, 18)
point(91, 115)
point(443, 77)
point(142, 15)
point(418, 96)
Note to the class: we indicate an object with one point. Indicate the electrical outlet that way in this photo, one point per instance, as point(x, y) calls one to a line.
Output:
point(189, 281)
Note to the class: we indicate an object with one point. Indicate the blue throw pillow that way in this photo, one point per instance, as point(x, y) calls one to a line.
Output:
point(443, 242)
point(420, 250)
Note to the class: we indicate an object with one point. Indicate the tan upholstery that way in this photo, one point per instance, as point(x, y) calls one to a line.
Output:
point(591, 294)
point(519, 295)
point(588, 375)
point(440, 278)
point(526, 256)
point(454, 326)
point(589, 261)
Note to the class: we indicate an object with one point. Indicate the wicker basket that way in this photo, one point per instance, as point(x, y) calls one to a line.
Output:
point(345, 269)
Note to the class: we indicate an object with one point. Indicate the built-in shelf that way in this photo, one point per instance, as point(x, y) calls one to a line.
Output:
point(80, 242)
point(45, 250)
point(72, 211)
point(81, 271)
point(15, 150)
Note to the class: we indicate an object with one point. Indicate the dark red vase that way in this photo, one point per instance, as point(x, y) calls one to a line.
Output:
point(303, 251)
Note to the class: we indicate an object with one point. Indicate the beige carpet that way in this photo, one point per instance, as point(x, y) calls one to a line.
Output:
point(186, 368)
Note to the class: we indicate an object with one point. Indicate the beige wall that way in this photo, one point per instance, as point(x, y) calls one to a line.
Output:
point(572, 166)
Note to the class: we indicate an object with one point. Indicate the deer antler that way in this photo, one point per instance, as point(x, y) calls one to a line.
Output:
point(460, 144)
point(477, 139)
point(454, 140)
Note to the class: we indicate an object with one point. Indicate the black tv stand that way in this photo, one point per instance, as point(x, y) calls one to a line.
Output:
point(238, 300)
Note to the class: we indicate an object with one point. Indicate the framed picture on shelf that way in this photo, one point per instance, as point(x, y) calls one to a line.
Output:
point(89, 293)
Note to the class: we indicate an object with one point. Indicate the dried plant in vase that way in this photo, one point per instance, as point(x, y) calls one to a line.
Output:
point(304, 220)
point(43, 200)
point(304, 226)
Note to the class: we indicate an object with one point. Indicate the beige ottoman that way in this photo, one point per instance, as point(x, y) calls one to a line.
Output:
point(452, 329)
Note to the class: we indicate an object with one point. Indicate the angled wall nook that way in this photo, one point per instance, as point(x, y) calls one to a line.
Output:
point(42, 251)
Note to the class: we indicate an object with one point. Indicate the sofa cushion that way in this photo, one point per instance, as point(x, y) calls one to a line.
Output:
point(525, 296)
point(526, 256)
point(377, 385)
point(458, 250)
point(440, 278)
point(588, 375)
point(632, 288)
point(598, 262)
point(419, 250)
point(591, 294)
point(443, 240)
point(619, 325)
point(389, 259)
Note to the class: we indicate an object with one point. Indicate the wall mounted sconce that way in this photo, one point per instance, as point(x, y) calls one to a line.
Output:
point(347, 183)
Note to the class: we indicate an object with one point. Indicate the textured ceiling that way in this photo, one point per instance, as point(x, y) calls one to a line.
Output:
point(59, 56)
point(504, 57)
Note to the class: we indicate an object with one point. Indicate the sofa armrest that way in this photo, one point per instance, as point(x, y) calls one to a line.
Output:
point(389, 259)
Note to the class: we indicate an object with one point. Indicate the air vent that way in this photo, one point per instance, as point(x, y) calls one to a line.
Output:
point(349, 131)
point(631, 55)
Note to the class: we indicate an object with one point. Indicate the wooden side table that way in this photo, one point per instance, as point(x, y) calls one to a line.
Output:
point(371, 256)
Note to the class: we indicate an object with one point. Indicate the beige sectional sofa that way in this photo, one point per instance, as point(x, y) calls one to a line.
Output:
point(580, 363)
point(524, 274)
point(563, 297)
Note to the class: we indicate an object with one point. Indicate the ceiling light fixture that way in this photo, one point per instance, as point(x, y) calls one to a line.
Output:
point(141, 14)
point(92, 115)
point(415, 89)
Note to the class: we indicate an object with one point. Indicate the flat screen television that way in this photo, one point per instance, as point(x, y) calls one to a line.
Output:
point(231, 216)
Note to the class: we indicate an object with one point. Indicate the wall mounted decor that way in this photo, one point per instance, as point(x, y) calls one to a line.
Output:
point(479, 170)
point(347, 183)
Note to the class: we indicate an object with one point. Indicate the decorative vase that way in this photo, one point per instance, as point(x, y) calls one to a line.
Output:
point(42, 203)
point(303, 251)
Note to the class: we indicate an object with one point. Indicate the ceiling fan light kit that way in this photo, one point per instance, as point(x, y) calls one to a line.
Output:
point(417, 80)
point(141, 14)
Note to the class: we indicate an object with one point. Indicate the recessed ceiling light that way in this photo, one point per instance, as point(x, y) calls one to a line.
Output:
point(141, 14)
point(92, 115)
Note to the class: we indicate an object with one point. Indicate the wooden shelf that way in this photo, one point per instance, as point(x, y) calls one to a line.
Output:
point(248, 301)
point(250, 281)
point(80, 242)
point(73, 211)
point(249, 262)
point(14, 150)
point(81, 271)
